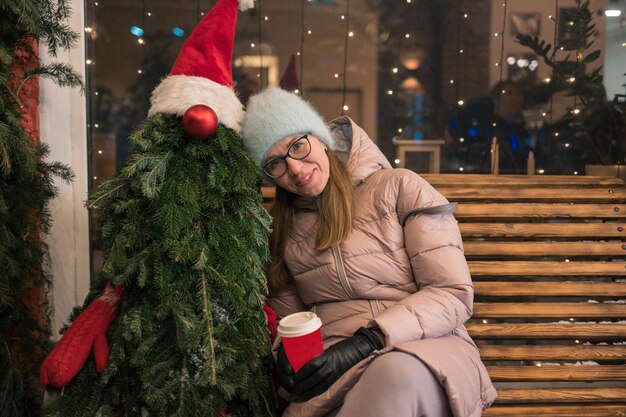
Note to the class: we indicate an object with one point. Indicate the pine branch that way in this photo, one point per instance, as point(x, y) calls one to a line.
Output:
point(61, 73)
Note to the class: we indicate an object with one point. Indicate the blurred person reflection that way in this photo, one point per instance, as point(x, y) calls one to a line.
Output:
point(472, 127)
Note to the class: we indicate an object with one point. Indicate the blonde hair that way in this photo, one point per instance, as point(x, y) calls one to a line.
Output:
point(333, 225)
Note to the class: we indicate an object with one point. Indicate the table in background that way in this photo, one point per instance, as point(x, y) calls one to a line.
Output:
point(430, 146)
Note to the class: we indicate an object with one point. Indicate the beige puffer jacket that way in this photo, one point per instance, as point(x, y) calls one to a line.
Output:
point(411, 281)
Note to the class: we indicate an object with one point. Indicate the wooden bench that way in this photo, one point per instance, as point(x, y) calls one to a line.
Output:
point(548, 259)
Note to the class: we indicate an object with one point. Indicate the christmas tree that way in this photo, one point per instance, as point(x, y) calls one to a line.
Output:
point(185, 239)
point(26, 187)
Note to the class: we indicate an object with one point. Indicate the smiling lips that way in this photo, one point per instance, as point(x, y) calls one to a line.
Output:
point(305, 180)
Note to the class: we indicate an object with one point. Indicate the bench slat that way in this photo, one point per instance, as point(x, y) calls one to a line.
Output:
point(544, 249)
point(462, 180)
point(550, 289)
point(539, 210)
point(598, 410)
point(552, 352)
point(558, 373)
point(590, 331)
point(549, 310)
point(546, 268)
point(563, 395)
point(533, 193)
point(588, 230)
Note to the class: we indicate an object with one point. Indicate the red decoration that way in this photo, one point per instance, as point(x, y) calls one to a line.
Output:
point(89, 329)
point(200, 122)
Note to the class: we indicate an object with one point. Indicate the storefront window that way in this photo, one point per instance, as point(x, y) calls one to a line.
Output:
point(407, 71)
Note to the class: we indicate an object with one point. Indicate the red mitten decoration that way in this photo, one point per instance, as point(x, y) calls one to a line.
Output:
point(89, 329)
point(270, 315)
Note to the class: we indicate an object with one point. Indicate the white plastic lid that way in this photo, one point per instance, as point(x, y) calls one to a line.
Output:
point(299, 324)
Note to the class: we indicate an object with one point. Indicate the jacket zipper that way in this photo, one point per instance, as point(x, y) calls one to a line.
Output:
point(341, 272)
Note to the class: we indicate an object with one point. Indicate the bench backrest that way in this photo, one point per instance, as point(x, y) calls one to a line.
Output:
point(548, 259)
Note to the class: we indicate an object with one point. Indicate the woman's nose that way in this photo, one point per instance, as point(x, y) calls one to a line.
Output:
point(293, 166)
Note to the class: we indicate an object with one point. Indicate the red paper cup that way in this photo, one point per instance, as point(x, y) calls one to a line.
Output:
point(301, 334)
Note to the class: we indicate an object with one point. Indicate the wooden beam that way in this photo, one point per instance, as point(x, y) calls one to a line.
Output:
point(541, 230)
point(549, 310)
point(561, 395)
point(463, 180)
point(544, 249)
point(546, 268)
point(588, 373)
point(597, 410)
point(539, 210)
point(550, 289)
point(591, 331)
point(552, 353)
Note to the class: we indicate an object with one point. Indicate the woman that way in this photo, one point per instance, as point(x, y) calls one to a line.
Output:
point(376, 253)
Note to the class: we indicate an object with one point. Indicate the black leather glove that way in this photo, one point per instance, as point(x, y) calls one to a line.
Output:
point(284, 369)
point(320, 372)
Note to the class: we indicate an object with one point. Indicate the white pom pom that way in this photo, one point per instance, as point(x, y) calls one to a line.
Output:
point(246, 4)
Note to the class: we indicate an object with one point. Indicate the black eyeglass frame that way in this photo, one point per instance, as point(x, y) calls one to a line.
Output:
point(288, 155)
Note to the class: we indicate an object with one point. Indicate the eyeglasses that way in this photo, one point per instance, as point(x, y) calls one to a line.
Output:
point(300, 149)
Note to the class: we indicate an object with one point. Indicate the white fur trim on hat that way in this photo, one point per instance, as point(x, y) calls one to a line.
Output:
point(176, 93)
point(275, 114)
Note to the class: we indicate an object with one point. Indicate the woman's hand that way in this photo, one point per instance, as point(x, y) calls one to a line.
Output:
point(284, 369)
point(320, 372)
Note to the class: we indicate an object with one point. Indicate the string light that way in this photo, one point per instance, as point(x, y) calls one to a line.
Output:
point(345, 58)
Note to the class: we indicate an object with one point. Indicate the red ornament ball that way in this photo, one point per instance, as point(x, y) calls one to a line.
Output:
point(200, 122)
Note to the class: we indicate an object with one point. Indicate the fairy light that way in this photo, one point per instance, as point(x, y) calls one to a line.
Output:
point(395, 70)
point(345, 58)
point(498, 64)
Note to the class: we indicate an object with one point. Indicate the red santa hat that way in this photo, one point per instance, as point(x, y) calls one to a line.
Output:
point(289, 80)
point(202, 73)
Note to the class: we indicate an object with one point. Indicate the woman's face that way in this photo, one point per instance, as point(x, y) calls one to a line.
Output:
point(305, 177)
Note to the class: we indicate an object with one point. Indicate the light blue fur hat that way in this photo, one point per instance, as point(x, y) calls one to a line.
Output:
point(274, 114)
